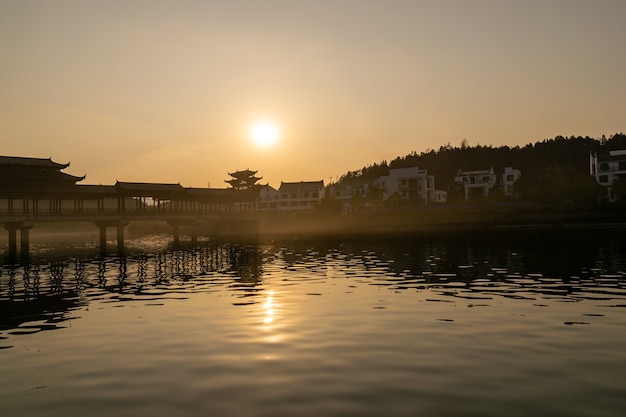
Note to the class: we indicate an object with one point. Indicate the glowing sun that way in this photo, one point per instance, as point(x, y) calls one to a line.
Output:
point(264, 133)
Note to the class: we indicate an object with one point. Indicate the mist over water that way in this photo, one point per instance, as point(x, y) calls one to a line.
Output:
point(457, 324)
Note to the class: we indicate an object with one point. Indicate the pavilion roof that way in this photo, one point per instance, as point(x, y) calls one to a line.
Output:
point(245, 180)
point(242, 174)
point(33, 162)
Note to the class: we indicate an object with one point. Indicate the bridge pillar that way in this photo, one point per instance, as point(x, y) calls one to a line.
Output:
point(12, 227)
point(176, 234)
point(119, 224)
point(103, 237)
point(120, 238)
point(24, 241)
point(177, 224)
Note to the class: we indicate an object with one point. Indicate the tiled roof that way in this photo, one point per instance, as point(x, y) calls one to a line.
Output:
point(242, 174)
point(38, 162)
point(145, 189)
point(301, 186)
point(96, 189)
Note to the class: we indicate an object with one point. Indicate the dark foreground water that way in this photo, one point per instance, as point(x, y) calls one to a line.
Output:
point(459, 325)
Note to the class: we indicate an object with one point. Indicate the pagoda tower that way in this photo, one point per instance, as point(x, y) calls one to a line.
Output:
point(243, 180)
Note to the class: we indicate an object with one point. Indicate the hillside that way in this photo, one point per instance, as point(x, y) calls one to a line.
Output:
point(553, 169)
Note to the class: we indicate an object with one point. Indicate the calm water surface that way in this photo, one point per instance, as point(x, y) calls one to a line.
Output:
point(459, 325)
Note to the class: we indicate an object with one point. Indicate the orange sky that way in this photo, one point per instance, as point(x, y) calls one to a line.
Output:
point(166, 91)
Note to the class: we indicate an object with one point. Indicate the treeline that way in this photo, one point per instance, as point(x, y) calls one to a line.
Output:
point(553, 170)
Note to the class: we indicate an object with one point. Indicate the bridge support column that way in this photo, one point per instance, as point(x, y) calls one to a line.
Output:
point(176, 234)
point(24, 228)
point(24, 241)
point(120, 238)
point(103, 237)
point(119, 224)
point(177, 224)
point(12, 229)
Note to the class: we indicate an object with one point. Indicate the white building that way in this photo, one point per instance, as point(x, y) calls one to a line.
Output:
point(481, 183)
point(476, 183)
point(268, 198)
point(439, 196)
point(408, 184)
point(300, 196)
point(606, 168)
point(353, 192)
point(509, 177)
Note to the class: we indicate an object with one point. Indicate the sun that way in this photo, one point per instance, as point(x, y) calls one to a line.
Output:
point(264, 133)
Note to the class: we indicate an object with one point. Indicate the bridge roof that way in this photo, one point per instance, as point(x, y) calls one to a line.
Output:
point(37, 162)
point(149, 189)
point(212, 195)
point(96, 189)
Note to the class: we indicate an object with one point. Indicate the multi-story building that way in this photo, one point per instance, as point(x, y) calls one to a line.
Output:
point(408, 184)
point(268, 198)
point(608, 167)
point(478, 184)
point(354, 193)
point(300, 196)
point(509, 177)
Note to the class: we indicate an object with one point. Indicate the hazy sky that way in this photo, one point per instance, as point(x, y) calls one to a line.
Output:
point(166, 91)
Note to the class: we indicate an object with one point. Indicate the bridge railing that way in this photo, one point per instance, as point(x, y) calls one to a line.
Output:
point(41, 208)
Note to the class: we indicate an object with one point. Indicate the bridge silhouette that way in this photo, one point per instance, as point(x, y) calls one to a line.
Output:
point(34, 190)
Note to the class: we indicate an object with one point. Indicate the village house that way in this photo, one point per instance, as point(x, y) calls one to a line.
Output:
point(479, 184)
point(476, 183)
point(355, 193)
point(408, 184)
point(300, 196)
point(509, 177)
point(606, 168)
point(268, 198)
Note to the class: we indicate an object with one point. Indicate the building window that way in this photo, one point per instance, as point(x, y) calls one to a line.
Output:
point(315, 194)
point(337, 193)
point(510, 178)
point(604, 178)
point(306, 195)
point(284, 195)
point(604, 166)
point(622, 165)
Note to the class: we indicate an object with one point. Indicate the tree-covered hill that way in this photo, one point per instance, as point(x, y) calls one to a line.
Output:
point(551, 169)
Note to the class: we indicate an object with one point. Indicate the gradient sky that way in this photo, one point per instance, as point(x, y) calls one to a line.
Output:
point(166, 91)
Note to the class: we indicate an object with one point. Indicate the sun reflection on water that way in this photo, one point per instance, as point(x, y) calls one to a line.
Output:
point(269, 308)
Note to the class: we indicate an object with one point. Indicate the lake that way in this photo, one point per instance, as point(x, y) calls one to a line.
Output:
point(457, 324)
